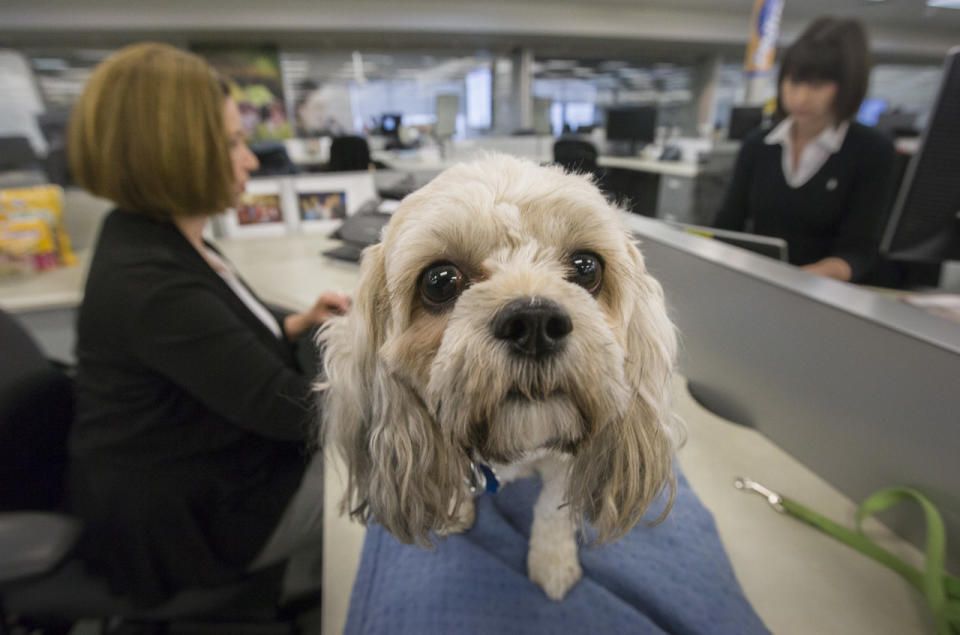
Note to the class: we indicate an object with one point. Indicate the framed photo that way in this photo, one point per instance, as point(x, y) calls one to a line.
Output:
point(261, 212)
point(321, 205)
point(321, 198)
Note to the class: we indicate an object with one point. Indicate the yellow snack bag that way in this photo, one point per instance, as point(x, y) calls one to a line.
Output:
point(32, 236)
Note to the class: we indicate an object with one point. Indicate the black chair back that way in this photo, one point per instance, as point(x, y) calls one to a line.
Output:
point(41, 586)
point(36, 411)
point(349, 154)
point(575, 155)
point(53, 124)
point(273, 159)
point(16, 153)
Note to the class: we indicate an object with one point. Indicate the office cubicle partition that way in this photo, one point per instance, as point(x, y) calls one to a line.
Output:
point(858, 386)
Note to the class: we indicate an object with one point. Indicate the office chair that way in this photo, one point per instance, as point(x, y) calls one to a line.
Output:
point(349, 153)
point(42, 586)
point(576, 155)
point(17, 154)
point(53, 124)
point(273, 159)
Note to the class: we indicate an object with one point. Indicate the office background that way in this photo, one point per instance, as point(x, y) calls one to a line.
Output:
point(342, 64)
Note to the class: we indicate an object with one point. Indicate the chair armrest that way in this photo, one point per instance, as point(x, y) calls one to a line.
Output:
point(33, 543)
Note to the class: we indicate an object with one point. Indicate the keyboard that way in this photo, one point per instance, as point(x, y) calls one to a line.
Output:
point(357, 232)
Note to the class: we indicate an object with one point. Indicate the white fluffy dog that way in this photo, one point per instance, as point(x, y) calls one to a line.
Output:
point(506, 320)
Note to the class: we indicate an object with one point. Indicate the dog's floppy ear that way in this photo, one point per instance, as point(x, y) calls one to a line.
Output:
point(627, 463)
point(400, 472)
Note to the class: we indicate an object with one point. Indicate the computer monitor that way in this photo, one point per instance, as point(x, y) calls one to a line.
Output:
point(870, 110)
point(636, 124)
point(390, 124)
point(924, 225)
point(896, 123)
point(743, 121)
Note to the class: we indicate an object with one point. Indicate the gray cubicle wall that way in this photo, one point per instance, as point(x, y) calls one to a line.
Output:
point(858, 386)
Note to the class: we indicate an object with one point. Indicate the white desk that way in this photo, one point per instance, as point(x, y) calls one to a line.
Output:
point(55, 289)
point(686, 169)
point(426, 160)
point(798, 580)
point(430, 159)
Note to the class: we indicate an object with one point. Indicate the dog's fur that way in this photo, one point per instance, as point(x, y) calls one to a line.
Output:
point(411, 390)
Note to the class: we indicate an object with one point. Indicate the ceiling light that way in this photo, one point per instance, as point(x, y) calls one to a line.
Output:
point(944, 4)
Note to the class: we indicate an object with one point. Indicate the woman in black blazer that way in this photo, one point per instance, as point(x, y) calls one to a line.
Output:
point(193, 414)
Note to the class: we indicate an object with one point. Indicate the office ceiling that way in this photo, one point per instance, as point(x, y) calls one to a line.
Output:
point(648, 29)
point(878, 12)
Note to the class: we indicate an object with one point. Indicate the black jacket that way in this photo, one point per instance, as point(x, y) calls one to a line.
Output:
point(839, 212)
point(192, 417)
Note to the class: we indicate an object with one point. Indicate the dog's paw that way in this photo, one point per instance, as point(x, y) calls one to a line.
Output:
point(464, 516)
point(554, 570)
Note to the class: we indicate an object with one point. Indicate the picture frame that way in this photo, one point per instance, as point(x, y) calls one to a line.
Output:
point(319, 200)
point(263, 211)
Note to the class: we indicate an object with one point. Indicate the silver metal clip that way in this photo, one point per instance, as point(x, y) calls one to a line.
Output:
point(775, 500)
point(475, 479)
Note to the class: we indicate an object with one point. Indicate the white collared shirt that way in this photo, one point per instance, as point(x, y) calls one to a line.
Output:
point(814, 154)
point(225, 269)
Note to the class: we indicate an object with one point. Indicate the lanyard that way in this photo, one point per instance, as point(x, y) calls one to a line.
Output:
point(941, 590)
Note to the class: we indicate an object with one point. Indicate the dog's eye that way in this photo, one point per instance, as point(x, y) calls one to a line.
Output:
point(440, 283)
point(587, 271)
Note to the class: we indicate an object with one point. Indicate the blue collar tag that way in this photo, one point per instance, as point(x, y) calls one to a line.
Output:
point(481, 478)
point(492, 484)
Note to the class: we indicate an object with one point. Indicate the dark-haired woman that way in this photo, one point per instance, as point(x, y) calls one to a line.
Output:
point(818, 179)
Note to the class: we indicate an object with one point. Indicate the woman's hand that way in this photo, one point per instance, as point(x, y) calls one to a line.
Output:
point(329, 304)
point(831, 267)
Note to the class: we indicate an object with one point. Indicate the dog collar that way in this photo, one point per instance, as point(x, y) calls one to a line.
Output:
point(481, 478)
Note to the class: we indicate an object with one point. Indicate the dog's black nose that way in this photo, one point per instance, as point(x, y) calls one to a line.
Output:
point(533, 326)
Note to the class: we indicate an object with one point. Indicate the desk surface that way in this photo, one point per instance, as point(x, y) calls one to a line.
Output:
point(56, 289)
point(798, 580)
point(430, 160)
point(685, 169)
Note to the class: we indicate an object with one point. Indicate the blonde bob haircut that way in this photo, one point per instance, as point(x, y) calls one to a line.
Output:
point(148, 134)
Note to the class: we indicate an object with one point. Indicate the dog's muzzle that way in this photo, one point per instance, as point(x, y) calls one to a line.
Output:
point(533, 327)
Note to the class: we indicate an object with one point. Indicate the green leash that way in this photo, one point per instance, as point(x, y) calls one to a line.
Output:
point(941, 590)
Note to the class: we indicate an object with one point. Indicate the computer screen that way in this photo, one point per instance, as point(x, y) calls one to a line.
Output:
point(870, 110)
point(924, 225)
point(897, 123)
point(390, 123)
point(637, 124)
point(743, 121)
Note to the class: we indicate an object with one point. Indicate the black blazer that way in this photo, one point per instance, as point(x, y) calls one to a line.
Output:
point(839, 212)
point(192, 416)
